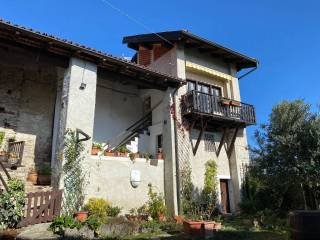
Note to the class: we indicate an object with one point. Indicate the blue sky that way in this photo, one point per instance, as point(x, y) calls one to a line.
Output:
point(283, 35)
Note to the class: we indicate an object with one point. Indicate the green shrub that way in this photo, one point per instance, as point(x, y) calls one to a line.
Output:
point(113, 211)
point(156, 204)
point(1, 138)
point(93, 223)
point(97, 208)
point(97, 145)
point(61, 222)
point(12, 204)
point(123, 149)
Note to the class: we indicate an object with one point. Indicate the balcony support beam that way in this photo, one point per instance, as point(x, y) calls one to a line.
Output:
point(230, 147)
point(224, 134)
point(203, 128)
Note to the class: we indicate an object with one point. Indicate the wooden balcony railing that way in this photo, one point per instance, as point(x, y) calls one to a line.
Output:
point(198, 103)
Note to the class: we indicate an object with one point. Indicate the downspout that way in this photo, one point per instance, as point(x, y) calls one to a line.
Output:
point(176, 152)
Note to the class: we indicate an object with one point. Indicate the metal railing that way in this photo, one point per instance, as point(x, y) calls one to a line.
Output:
point(195, 102)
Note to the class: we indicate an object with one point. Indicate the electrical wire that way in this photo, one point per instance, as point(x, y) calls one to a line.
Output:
point(135, 20)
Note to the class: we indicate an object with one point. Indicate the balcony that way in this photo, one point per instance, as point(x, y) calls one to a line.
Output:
point(217, 111)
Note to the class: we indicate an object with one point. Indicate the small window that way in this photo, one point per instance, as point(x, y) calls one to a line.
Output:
point(209, 143)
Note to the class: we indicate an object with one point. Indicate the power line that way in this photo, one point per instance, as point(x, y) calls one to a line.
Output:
point(135, 20)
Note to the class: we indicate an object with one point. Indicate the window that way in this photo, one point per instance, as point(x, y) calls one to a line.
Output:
point(209, 143)
point(204, 88)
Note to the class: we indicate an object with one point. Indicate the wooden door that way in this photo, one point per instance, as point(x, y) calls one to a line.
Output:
point(224, 191)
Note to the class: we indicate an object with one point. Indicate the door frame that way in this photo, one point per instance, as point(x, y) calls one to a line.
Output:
point(227, 179)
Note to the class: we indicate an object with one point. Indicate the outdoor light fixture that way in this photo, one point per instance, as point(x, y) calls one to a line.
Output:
point(82, 86)
point(135, 178)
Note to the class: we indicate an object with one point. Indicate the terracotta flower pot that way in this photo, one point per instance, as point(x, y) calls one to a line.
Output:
point(81, 216)
point(44, 180)
point(161, 217)
point(159, 156)
point(33, 177)
point(235, 103)
point(193, 228)
point(179, 218)
point(108, 154)
point(209, 228)
point(95, 151)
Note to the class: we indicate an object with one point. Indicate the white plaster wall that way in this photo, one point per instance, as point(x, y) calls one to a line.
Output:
point(208, 61)
point(109, 178)
point(114, 111)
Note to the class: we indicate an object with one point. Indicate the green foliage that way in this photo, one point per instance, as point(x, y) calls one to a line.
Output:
point(1, 138)
point(60, 223)
point(286, 162)
point(156, 204)
point(132, 156)
point(200, 204)
point(74, 176)
point(152, 226)
point(12, 204)
point(93, 223)
point(98, 208)
point(97, 145)
point(113, 211)
point(123, 149)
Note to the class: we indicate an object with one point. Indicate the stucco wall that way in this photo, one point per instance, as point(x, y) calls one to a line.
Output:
point(109, 178)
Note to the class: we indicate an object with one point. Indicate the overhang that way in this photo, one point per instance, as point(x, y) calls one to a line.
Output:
point(193, 41)
point(22, 36)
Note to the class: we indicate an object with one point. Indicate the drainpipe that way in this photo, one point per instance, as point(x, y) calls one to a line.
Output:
point(176, 152)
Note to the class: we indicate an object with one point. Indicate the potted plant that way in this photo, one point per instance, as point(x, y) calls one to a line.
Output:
point(81, 216)
point(44, 174)
point(133, 156)
point(147, 156)
point(109, 153)
point(225, 101)
point(13, 158)
point(96, 148)
point(3, 155)
point(235, 103)
point(159, 154)
point(123, 151)
point(32, 176)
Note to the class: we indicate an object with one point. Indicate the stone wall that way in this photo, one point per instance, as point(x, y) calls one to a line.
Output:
point(27, 99)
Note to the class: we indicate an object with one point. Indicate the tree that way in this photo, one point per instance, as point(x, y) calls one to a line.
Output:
point(286, 160)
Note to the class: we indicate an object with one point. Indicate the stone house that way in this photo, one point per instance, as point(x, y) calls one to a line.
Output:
point(179, 96)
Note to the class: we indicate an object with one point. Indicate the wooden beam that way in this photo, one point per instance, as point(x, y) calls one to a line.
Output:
point(199, 137)
point(224, 134)
point(229, 151)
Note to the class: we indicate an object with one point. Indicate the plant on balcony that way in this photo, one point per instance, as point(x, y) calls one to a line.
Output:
point(147, 156)
point(96, 148)
point(159, 154)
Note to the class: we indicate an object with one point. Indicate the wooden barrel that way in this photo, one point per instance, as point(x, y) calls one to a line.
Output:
point(305, 225)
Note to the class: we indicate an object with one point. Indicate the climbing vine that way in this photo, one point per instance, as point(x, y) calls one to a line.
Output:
point(196, 203)
point(74, 176)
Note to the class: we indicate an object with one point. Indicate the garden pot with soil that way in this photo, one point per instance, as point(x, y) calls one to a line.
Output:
point(193, 228)
point(33, 177)
point(81, 216)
